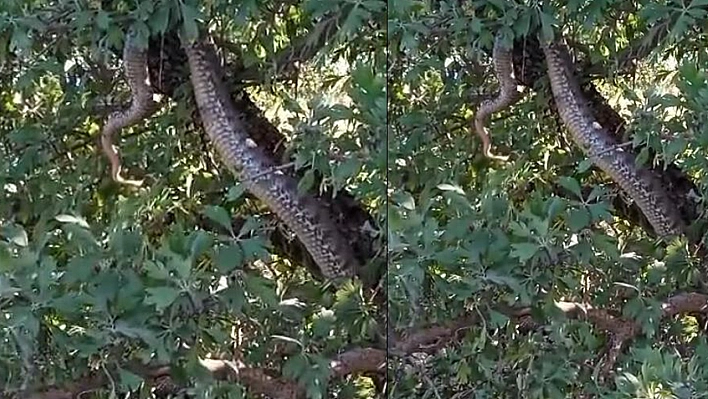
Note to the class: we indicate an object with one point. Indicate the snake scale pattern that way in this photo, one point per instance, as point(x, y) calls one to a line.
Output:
point(645, 188)
point(507, 96)
point(141, 107)
point(600, 146)
point(303, 214)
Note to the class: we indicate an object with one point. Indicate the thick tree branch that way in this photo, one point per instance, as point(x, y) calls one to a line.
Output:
point(621, 331)
point(257, 380)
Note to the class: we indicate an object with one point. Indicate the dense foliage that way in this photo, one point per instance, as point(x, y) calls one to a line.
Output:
point(538, 278)
point(530, 278)
point(99, 282)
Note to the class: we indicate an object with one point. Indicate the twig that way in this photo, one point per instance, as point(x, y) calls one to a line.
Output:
point(269, 171)
point(614, 147)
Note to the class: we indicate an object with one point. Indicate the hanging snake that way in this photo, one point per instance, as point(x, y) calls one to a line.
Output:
point(507, 96)
point(600, 146)
point(642, 186)
point(302, 213)
point(141, 107)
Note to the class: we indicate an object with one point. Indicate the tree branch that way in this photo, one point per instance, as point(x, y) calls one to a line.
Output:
point(283, 64)
point(627, 58)
point(257, 380)
point(621, 330)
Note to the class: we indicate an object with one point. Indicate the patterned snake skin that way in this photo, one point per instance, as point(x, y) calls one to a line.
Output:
point(141, 107)
point(507, 96)
point(599, 145)
point(302, 213)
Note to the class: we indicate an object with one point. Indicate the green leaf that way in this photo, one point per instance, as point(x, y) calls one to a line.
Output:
point(457, 228)
point(6, 288)
point(190, 15)
point(262, 289)
point(144, 10)
point(159, 21)
point(295, 366)
point(128, 380)
point(323, 324)
point(596, 193)
point(447, 256)
point(522, 24)
point(409, 42)
point(235, 192)
point(142, 34)
point(674, 148)
point(571, 185)
point(307, 182)
point(346, 170)
point(228, 258)
point(406, 200)
point(547, 22)
point(219, 215)
point(643, 157)
point(234, 297)
point(578, 219)
point(156, 270)
point(200, 243)
point(506, 280)
point(354, 20)
point(524, 251)
point(584, 166)
point(20, 40)
point(72, 219)
point(555, 208)
point(80, 236)
point(497, 319)
point(251, 225)
point(182, 266)
point(161, 297)
point(606, 244)
point(451, 187)
point(600, 211)
point(126, 243)
point(254, 248)
point(114, 36)
point(80, 268)
point(103, 20)
point(16, 234)
point(133, 330)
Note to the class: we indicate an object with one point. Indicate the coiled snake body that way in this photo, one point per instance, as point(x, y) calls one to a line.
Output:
point(639, 183)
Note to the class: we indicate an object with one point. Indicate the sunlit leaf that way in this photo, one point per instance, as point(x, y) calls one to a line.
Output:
point(161, 297)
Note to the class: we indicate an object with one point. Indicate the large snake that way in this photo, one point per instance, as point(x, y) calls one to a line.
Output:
point(507, 96)
point(599, 145)
point(302, 213)
point(308, 219)
point(142, 105)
